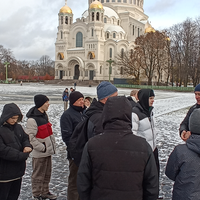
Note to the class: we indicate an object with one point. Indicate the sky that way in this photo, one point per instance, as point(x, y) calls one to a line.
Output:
point(29, 28)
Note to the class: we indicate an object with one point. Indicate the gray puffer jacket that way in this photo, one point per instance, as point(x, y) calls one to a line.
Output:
point(183, 167)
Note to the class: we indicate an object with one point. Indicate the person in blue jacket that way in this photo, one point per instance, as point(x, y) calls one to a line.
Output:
point(14, 150)
point(184, 163)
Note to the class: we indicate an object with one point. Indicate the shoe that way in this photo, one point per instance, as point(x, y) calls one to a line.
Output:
point(49, 196)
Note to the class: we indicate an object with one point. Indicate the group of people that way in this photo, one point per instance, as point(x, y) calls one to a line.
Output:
point(16, 144)
point(65, 98)
point(119, 155)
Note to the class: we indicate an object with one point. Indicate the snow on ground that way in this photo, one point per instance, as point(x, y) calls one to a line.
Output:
point(169, 109)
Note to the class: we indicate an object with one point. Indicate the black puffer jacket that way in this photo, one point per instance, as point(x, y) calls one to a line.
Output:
point(94, 112)
point(13, 139)
point(68, 122)
point(117, 165)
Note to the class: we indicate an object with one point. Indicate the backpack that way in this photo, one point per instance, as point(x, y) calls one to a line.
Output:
point(78, 140)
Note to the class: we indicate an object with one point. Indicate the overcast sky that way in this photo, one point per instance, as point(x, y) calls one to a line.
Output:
point(29, 28)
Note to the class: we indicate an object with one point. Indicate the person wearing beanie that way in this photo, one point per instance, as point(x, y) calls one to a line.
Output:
point(117, 165)
point(68, 121)
point(65, 97)
point(184, 130)
point(184, 161)
point(14, 151)
point(143, 124)
point(42, 139)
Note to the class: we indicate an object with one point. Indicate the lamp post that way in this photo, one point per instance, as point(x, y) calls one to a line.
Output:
point(6, 66)
point(110, 63)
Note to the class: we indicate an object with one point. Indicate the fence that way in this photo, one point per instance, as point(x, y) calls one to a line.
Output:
point(180, 89)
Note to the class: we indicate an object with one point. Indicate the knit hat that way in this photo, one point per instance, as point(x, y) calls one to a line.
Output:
point(194, 122)
point(40, 99)
point(74, 96)
point(197, 88)
point(105, 89)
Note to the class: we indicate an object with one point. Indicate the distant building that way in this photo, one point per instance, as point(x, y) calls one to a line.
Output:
point(107, 28)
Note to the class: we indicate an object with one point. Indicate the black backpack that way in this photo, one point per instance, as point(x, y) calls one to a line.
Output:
point(78, 140)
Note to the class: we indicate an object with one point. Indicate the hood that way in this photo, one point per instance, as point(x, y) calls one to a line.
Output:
point(193, 143)
point(117, 113)
point(95, 107)
point(10, 110)
point(143, 96)
point(34, 112)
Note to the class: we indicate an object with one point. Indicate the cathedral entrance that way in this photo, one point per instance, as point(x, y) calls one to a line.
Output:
point(61, 74)
point(91, 77)
point(76, 72)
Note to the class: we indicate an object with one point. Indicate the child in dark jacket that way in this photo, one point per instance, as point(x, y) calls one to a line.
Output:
point(184, 163)
point(14, 150)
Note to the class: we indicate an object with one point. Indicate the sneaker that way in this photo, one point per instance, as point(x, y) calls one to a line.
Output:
point(49, 196)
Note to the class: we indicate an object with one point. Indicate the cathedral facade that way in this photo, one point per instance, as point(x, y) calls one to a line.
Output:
point(86, 49)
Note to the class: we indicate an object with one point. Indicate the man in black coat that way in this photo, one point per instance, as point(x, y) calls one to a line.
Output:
point(69, 120)
point(117, 164)
point(104, 90)
point(184, 126)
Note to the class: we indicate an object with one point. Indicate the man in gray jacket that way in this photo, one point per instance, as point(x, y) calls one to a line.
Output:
point(41, 138)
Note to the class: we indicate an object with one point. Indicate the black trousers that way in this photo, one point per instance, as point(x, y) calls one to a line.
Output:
point(10, 190)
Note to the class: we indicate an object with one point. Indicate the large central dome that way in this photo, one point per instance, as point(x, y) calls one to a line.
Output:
point(96, 5)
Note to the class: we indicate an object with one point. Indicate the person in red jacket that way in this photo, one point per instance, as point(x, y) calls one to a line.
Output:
point(41, 137)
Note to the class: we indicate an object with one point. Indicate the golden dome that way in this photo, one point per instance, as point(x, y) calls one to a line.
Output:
point(150, 29)
point(66, 9)
point(96, 5)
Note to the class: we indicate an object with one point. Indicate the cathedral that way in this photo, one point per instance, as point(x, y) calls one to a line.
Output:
point(86, 49)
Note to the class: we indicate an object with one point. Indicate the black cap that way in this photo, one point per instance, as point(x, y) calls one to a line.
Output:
point(40, 99)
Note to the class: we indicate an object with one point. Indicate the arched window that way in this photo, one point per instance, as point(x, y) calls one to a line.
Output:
point(92, 16)
point(70, 20)
point(98, 16)
point(61, 35)
point(131, 53)
point(92, 32)
point(100, 69)
point(105, 20)
point(107, 35)
point(118, 22)
point(138, 32)
point(79, 39)
point(113, 21)
point(66, 20)
point(114, 35)
point(133, 29)
point(102, 17)
point(121, 71)
point(122, 53)
point(61, 19)
point(110, 52)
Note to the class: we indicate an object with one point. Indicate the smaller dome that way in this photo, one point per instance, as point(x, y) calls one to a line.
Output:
point(66, 9)
point(150, 29)
point(96, 5)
